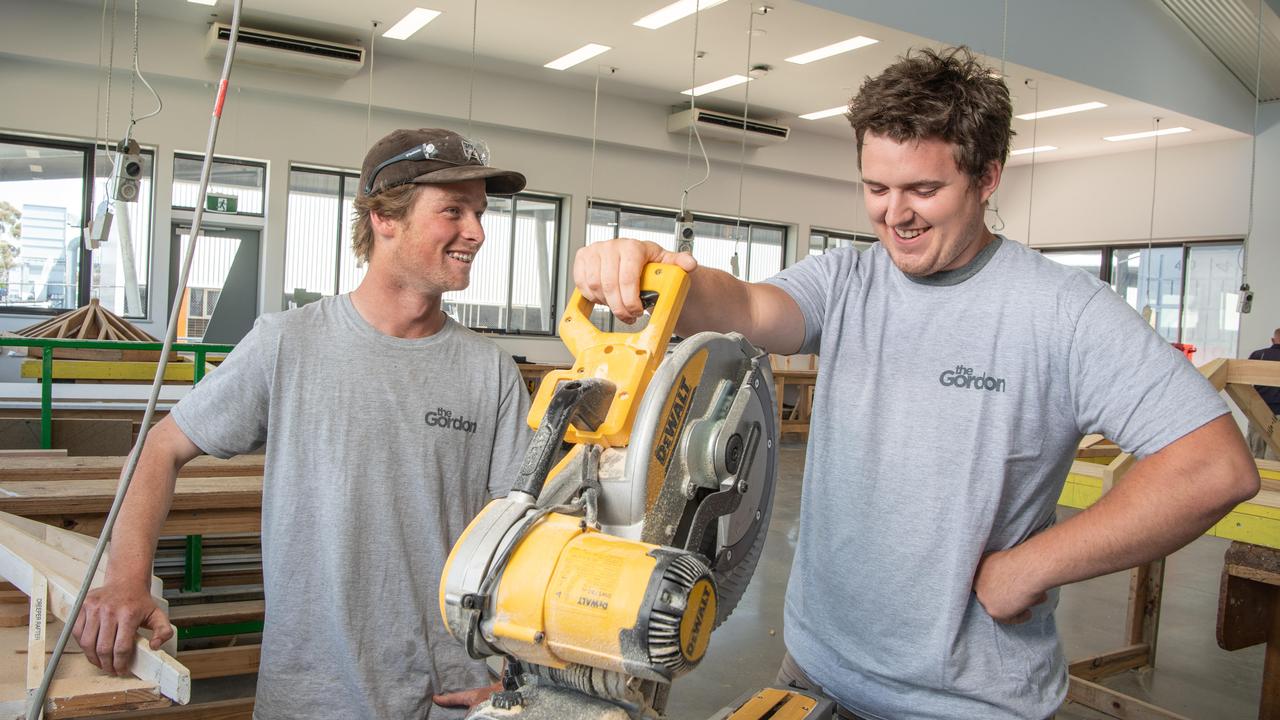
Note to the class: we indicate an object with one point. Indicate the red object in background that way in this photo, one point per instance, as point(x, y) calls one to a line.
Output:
point(1186, 349)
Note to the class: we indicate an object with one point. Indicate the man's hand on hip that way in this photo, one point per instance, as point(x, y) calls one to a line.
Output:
point(1005, 589)
point(608, 273)
point(110, 619)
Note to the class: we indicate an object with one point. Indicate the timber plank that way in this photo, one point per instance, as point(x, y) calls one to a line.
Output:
point(221, 662)
point(37, 497)
point(238, 709)
point(217, 613)
point(92, 467)
point(1117, 705)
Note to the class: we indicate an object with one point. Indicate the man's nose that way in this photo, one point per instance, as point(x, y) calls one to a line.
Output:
point(898, 210)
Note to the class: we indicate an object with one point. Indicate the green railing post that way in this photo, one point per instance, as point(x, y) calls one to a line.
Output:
point(192, 577)
point(46, 397)
point(197, 373)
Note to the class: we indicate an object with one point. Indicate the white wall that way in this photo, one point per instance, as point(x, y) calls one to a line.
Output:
point(48, 51)
point(1201, 192)
point(1264, 248)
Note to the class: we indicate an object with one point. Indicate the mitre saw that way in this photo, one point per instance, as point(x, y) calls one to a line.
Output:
point(634, 526)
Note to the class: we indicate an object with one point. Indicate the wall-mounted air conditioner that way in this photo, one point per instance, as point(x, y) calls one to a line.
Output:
point(286, 52)
point(714, 125)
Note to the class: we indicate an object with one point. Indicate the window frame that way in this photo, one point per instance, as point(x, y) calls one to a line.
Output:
point(260, 164)
point(541, 197)
point(854, 236)
point(553, 262)
point(84, 267)
point(1109, 254)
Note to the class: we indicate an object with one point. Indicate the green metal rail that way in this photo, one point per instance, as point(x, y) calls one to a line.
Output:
point(192, 580)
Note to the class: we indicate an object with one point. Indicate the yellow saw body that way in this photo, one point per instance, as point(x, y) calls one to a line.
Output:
point(634, 525)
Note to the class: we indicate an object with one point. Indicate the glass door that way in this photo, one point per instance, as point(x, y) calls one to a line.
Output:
point(223, 280)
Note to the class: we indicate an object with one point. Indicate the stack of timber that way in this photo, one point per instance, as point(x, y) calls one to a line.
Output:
point(218, 499)
point(92, 322)
point(47, 564)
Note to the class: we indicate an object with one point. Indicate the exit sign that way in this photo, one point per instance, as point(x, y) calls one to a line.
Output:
point(220, 203)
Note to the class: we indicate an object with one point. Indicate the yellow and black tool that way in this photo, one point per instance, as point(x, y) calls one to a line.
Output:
point(602, 574)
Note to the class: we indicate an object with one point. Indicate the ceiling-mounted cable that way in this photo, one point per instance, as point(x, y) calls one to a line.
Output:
point(693, 105)
point(595, 115)
point(998, 225)
point(1253, 162)
point(99, 131)
point(471, 84)
point(137, 75)
point(35, 708)
point(1155, 175)
point(368, 105)
point(752, 11)
point(1035, 125)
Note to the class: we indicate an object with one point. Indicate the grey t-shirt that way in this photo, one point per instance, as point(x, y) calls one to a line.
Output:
point(380, 450)
point(945, 420)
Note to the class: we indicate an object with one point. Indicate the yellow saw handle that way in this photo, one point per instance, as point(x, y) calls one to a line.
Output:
point(627, 359)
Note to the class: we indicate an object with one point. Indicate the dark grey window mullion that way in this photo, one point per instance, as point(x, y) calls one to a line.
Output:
point(511, 260)
point(84, 269)
point(337, 239)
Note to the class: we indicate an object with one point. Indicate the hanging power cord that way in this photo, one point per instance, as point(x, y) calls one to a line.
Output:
point(106, 122)
point(1155, 174)
point(998, 225)
point(742, 150)
point(1031, 182)
point(36, 708)
point(1246, 293)
point(595, 116)
point(368, 107)
point(471, 83)
point(693, 105)
point(137, 75)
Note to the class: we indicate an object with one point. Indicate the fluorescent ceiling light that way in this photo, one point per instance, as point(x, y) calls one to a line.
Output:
point(37, 168)
point(411, 23)
point(843, 46)
point(829, 112)
point(204, 2)
point(1061, 111)
point(1037, 149)
point(586, 52)
point(1147, 134)
point(674, 12)
point(720, 84)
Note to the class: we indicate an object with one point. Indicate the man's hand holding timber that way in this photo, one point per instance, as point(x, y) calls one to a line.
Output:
point(111, 617)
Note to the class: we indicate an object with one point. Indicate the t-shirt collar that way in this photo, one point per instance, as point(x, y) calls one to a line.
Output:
point(960, 274)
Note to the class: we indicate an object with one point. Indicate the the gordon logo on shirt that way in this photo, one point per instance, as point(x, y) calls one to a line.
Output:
point(443, 418)
point(965, 378)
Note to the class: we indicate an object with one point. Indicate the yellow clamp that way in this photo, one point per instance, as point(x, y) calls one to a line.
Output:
point(627, 359)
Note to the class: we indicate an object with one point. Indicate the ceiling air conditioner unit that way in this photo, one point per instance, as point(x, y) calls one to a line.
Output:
point(286, 52)
point(714, 125)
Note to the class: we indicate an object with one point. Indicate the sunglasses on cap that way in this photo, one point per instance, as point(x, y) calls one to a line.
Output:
point(475, 152)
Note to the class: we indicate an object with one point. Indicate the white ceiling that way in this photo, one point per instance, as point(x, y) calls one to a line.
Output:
point(516, 37)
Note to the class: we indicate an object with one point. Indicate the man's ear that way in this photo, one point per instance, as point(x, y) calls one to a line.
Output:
point(383, 226)
point(990, 180)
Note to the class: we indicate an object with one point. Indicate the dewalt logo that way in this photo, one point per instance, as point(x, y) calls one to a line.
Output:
point(674, 422)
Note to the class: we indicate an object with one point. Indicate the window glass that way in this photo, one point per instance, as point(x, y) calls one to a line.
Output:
point(121, 266)
point(311, 233)
point(210, 267)
point(244, 180)
point(42, 200)
point(1150, 280)
point(483, 304)
point(533, 286)
point(350, 271)
point(1210, 320)
point(1088, 260)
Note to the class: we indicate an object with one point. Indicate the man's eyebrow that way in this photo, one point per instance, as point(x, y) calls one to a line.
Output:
point(918, 184)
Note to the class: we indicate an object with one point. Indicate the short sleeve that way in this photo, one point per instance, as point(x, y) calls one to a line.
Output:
point(226, 413)
point(512, 432)
point(1129, 384)
point(810, 283)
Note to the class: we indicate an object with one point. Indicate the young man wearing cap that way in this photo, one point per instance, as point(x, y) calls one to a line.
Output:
point(966, 368)
point(387, 427)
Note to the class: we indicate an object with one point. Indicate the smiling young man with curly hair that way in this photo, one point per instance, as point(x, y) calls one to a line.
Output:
point(958, 372)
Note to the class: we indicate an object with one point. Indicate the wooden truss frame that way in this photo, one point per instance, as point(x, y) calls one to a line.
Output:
point(1142, 624)
point(48, 564)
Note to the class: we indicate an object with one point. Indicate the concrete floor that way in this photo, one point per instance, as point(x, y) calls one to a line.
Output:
point(1193, 676)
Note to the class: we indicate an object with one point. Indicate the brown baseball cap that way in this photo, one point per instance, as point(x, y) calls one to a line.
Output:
point(435, 157)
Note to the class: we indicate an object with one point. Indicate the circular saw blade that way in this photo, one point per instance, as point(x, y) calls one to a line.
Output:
point(709, 388)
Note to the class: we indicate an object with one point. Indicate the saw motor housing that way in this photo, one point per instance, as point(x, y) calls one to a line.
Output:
point(607, 567)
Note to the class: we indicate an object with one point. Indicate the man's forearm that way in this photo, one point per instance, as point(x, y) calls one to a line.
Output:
point(764, 314)
point(137, 528)
point(1164, 502)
